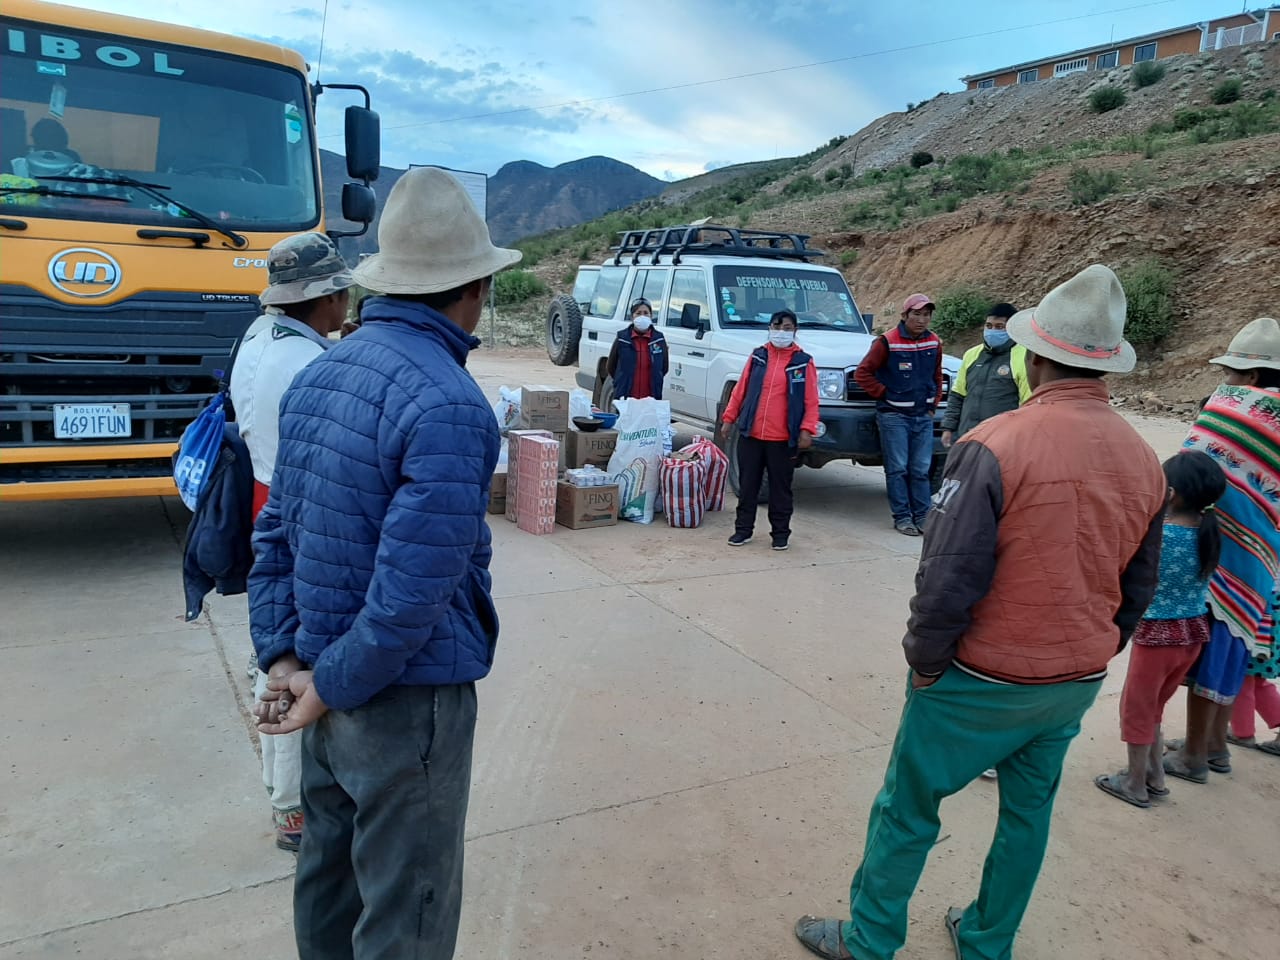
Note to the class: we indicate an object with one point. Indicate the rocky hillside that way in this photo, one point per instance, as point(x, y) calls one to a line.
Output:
point(1025, 185)
point(524, 198)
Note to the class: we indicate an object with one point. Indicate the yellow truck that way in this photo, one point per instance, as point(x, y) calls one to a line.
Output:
point(145, 171)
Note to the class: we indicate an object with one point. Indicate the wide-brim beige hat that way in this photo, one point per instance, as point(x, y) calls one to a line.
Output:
point(1257, 345)
point(431, 238)
point(1079, 323)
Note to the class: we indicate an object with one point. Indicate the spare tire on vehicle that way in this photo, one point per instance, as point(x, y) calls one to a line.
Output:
point(564, 327)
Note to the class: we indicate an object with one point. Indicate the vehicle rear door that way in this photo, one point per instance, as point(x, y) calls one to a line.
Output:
point(691, 349)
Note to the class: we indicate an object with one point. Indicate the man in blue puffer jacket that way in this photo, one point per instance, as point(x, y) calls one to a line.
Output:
point(371, 584)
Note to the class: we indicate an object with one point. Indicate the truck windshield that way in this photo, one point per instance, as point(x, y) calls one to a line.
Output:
point(748, 295)
point(223, 135)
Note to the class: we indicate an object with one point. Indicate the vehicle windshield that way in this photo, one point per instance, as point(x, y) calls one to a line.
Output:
point(227, 137)
point(749, 295)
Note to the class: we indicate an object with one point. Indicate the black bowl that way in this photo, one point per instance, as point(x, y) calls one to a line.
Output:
point(587, 424)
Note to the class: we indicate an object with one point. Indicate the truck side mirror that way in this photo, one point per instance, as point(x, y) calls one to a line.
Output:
point(691, 316)
point(869, 320)
point(358, 203)
point(364, 144)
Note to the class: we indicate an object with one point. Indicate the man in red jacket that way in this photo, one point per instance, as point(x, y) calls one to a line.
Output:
point(903, 373)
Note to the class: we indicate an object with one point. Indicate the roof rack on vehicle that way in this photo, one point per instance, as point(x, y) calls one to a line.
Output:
point(709, 239)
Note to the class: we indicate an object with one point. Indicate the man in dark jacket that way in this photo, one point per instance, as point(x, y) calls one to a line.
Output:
point(903, 373)
point(372, 576)
point(992, 378)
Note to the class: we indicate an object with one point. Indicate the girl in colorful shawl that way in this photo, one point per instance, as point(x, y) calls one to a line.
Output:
point(1175, 627)
point(1240, 428)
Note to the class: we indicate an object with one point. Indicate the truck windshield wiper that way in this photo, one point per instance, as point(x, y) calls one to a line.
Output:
point(155, 191)
point(43, 191)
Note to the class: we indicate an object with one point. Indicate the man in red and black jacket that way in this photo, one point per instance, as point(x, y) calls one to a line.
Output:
point(903, 373)
point(775, 405)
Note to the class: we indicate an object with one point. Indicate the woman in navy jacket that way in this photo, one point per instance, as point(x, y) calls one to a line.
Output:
point(639, 359)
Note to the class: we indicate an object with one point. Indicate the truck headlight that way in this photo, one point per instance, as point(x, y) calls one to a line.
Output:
point(831, 384)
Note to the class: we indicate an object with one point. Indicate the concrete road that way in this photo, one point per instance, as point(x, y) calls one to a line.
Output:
point(678, 748)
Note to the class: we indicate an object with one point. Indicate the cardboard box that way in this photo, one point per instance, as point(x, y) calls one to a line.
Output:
point(563, 464)
point(590, 448)
point(544, 410)
point(580, 508)
point(514, 439)
point(498, 493)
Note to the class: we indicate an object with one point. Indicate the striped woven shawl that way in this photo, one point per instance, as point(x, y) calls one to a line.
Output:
point(1240, 428)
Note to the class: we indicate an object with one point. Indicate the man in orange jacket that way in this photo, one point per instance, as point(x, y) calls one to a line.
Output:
point(1040, 557)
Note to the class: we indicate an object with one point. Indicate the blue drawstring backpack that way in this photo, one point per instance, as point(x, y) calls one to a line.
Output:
point(198, 450)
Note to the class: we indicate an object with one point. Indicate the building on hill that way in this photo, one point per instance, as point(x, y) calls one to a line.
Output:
point(1237, 30)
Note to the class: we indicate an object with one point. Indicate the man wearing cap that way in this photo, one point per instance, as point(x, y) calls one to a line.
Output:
point(372, 569)
point(305, 301)
point(1039, 559)
point(902, 372)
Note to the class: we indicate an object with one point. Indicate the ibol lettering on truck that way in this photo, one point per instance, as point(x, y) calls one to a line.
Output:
point(145, 171)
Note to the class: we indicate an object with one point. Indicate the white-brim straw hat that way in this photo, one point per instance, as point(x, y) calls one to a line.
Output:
point(431, 238)
point(1257, 345)
point(1079, 323)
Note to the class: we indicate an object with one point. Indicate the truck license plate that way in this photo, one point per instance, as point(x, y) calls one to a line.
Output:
point(79, 421)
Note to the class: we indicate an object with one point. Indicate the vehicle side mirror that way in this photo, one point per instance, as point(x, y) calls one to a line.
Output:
point(869, 320)
point(691, 316)
point(364, 144)
point(358, 203)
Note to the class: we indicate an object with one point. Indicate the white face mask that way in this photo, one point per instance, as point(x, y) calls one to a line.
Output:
point(642, 322)
point(782, 338)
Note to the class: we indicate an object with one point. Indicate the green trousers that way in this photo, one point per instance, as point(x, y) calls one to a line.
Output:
point(949, 733)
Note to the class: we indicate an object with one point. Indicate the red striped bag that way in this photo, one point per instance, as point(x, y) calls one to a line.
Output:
point(682, 480)
point(717, 471)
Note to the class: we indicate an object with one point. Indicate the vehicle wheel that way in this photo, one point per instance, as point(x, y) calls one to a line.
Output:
point(936, 468)
point(564, 327)
point(731, 451)
point(606, 396)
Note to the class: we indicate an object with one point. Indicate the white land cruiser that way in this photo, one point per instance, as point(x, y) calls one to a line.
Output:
point(713, 289)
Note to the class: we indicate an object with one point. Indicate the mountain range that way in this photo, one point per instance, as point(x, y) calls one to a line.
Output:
point(524, 198)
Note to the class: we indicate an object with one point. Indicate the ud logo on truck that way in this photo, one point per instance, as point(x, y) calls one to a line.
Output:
point(84, 272)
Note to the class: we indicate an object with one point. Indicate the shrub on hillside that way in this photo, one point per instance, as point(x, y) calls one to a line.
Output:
point(1148, 287)
point(1189, 117)
point(1147, 73)
point(802, 186)
point(959, 309)
point(1228, 91)
point(1106, 99)
point(1089, 186)
point(921, 158)
point(517, 286)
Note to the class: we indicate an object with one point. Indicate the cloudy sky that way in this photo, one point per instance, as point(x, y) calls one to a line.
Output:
point(452, 80)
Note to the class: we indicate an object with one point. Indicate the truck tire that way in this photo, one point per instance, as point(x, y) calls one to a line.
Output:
point(731, 451)
point(606, 396)
point(936, 467)
point(564, 327)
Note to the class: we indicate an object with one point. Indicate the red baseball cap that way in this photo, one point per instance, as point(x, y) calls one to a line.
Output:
point(915, 302)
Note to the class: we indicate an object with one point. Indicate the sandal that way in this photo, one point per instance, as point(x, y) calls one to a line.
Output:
point(1219, 760)
point(1112, 785)
point(822, 937)
point(1157, 793)
point(1271, 746)
point(1174, 767)
point(1250, 742)
point(952, 920)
